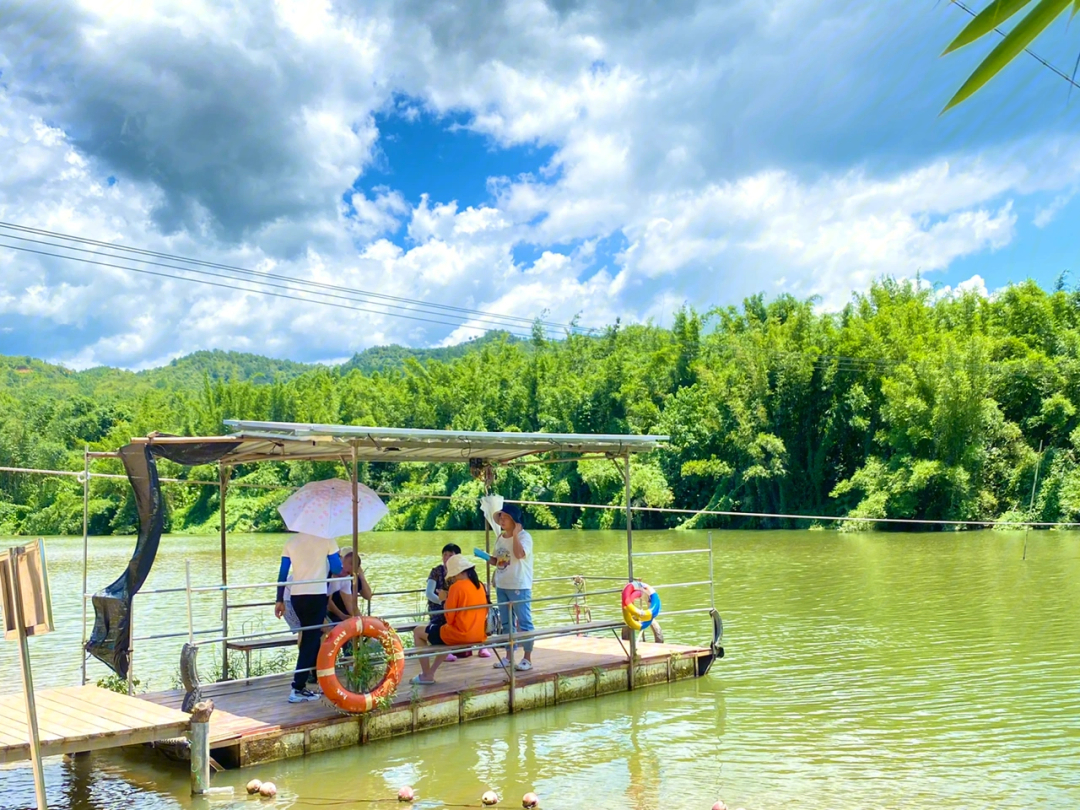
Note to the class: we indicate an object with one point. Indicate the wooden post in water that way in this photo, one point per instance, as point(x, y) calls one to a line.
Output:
point(199, 737)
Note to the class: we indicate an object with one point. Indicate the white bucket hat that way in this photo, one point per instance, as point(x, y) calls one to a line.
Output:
point(458, 563)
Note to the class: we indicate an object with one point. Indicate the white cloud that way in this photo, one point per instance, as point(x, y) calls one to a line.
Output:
point(1046, 214)
point(722, 148)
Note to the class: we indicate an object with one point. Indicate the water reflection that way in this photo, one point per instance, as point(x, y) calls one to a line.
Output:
point(862, 671)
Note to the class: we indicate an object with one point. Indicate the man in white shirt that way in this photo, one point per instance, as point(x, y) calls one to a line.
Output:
point(311, 559)
point(513, 561)
point(342, 603)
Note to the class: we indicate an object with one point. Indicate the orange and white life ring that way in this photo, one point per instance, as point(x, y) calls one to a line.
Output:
point(355, 627)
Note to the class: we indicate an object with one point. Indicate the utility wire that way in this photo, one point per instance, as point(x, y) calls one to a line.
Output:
point(298, 288)
point(259, 275)
point(249, 290)
point(1028, 51)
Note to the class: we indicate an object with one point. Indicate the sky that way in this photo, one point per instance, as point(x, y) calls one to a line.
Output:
point(444, 168)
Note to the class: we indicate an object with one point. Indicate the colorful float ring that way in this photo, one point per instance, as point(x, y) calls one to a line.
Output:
point(355, 627)
point(637, 618)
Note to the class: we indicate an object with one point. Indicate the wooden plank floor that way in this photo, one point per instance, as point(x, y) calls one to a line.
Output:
point(85, 718)
point(246, 708)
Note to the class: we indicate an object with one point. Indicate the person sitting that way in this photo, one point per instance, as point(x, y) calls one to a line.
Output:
point(464, 626)
point(343, 602)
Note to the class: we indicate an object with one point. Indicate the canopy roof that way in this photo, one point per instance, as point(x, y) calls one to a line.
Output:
point(283, 441)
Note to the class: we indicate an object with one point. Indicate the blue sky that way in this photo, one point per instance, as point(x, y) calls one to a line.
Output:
point(496, 162)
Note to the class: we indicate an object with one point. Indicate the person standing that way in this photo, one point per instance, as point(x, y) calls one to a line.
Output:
point(310, 558)
point(513, 561)
point(342, 603)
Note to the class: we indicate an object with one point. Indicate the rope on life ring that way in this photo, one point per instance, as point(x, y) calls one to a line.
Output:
point(637, 618)
point(355, 627)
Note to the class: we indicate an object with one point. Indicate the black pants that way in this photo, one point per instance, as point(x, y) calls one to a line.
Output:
point(310, 610)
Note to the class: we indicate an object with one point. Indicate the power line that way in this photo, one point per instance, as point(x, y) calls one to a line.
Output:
point(1028, 51)
point(137, 253)
point(248, 289)
point(213, 275)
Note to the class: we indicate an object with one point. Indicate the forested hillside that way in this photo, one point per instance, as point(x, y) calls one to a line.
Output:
point(905, 404)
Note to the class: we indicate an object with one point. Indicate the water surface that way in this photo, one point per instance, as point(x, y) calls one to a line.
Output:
point(863, 671)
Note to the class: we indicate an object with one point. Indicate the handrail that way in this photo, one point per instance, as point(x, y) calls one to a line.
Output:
point(666, 553)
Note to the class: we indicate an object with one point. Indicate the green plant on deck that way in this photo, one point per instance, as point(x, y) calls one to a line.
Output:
point(368, 666)
point(115, 683)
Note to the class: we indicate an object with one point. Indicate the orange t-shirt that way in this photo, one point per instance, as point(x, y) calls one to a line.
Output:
point(465, 626)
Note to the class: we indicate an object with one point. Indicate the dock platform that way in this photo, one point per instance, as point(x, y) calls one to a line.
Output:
point(85, 718)
point(254, 723)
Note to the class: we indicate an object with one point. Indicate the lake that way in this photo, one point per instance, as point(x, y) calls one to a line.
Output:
point(862, 671)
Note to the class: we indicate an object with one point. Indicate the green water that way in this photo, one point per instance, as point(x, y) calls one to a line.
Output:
point(863, 671)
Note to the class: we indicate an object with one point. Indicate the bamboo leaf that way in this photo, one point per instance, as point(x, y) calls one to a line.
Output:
point(1013, 44)
point(986, 21)
point(1076, 8)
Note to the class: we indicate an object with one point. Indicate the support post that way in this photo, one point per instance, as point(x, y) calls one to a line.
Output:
point(630, 565)
point(487, 526)
point(131, 648)
point(27, 677)
point(223, 489)
point(712, 578)
point(356, 523)
point(510, 657)
point(199, 737)
point(187, 593)
point(85, 550)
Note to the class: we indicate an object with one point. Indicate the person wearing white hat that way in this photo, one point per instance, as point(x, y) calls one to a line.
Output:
point(466, 609)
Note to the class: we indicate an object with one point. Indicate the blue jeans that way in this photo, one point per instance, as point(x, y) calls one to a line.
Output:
point(522, 609)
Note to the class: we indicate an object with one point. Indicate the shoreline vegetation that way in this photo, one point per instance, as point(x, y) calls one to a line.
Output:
point(907, 403)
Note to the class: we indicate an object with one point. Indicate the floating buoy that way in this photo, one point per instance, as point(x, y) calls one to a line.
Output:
point(253, 787)
point(406, 794)
point(530, 800)
point(489, 798)
point(719, 806)
point(268, 790)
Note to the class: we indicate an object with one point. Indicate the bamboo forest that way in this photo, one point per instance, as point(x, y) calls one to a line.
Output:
point(907, 403)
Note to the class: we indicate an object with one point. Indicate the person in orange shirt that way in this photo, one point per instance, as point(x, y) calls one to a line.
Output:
point(466, 626)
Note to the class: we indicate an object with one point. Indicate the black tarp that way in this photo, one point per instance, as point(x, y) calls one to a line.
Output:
point(110, 638)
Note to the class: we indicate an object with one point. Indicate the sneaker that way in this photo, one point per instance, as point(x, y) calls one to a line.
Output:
point(501, 664)
point(524, 665)
point(486, 653)
point(302, 696)
point(451, 657)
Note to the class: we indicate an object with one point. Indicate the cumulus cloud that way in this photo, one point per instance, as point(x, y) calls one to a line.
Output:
point(699, 152)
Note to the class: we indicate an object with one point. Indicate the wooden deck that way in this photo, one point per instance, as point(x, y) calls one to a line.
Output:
point(253, 721)
point(85, 718)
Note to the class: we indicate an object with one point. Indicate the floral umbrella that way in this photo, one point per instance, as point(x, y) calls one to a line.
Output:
point(324, 508)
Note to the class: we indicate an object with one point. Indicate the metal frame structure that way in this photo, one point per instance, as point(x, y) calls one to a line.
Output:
point(252, 442)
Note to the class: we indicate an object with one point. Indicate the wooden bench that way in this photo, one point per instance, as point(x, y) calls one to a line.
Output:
point(247, 647)
point(503, 640)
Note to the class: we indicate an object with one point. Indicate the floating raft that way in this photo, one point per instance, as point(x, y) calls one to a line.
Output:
point(253, 722)
point(85, 718)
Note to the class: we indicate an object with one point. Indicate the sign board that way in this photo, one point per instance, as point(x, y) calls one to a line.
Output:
point(28, 563)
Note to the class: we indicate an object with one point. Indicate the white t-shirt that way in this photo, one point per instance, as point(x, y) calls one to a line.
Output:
point(308, 560)
point(510, 572)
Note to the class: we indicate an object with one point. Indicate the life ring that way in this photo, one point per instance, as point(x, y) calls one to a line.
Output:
point(637, 618)
point(354, 627)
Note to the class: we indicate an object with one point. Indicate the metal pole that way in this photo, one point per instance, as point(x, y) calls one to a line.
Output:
point(85, 550)
point(355, 522)
point(510, 657)
point(27, 677)
point(487, 529)
point(223, 489)
point(630, 564)
point(190, 619)
point(131, 648)
point(712, 578)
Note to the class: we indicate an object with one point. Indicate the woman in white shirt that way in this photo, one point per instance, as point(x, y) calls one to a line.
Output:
point(513, 561)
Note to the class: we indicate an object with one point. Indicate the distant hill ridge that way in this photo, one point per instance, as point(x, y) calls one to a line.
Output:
point(27, 373)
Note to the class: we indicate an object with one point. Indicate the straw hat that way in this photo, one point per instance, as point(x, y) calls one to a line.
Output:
point(458, 563)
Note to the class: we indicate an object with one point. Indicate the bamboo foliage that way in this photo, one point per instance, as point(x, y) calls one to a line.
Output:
point(1034, 23)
